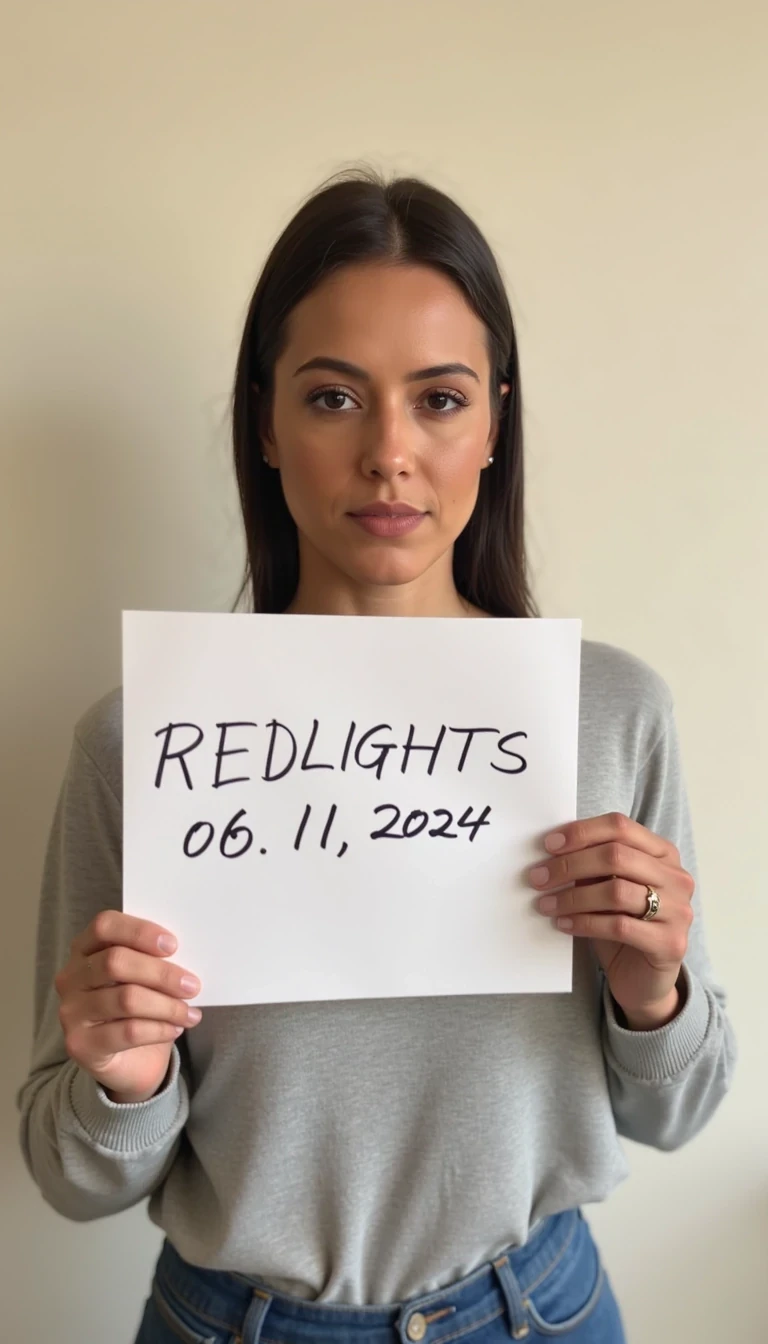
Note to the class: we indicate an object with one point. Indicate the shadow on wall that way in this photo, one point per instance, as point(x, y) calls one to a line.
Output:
point(72, 492)
point(95, 516)
point(71, 482)
point(683, 1245)
point(100, 511)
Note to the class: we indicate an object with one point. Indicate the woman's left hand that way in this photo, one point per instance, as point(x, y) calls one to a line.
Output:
point(611, 859)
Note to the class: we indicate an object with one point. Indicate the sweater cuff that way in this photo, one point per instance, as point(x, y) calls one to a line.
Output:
point(131, 1126)
point(659, 1056)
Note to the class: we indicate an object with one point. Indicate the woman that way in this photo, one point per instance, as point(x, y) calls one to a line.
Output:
point(398, 1169)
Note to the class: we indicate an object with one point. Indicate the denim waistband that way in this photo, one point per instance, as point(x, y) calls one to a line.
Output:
point(242, 1303)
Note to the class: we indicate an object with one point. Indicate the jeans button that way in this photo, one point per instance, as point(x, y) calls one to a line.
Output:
point(417, 1326)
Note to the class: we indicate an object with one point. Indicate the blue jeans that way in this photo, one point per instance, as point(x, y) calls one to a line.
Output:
point(552, 1286)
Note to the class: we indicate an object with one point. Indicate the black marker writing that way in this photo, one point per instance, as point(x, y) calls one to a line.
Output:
point(222, 751)
point(470, 734)
point(433, 749)
point(273, 725)
point(382, 748)
point(166, 755)
point(305, 761)
point(523, 763)
point(296, 748)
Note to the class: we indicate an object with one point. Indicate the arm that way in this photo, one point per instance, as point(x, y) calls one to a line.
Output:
point(90, 1156)
point(665, 1083)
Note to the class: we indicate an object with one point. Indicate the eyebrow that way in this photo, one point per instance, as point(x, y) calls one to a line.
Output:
point(354, 370)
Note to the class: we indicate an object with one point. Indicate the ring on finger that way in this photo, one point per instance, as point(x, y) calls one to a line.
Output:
point(653, 903)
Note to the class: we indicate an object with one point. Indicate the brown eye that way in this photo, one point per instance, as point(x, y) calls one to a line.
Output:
point(316, 397)
point(322, 396)
point(445, 395)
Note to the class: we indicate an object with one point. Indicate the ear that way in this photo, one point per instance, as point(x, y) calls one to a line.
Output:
point(503, 393)
point(263, 420)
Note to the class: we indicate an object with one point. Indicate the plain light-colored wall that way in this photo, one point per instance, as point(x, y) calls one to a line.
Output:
point(615, 156)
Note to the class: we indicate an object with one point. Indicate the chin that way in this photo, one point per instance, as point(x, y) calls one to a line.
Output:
point(388, 571)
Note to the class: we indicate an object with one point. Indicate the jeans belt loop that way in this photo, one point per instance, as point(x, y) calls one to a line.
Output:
point(255, 1317)
point(519, 1327)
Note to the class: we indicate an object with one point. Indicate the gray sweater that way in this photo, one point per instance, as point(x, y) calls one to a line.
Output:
point(367, 1151)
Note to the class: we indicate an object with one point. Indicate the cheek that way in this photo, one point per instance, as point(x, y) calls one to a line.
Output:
point(301, 453)
point(307, 471)
point(313, 480)
point(455, 475)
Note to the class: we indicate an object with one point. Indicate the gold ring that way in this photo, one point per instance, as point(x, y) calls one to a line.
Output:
point(653, 904)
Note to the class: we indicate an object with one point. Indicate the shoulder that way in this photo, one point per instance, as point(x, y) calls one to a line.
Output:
point(624, 678)
point(99, 734)
point(622, 696)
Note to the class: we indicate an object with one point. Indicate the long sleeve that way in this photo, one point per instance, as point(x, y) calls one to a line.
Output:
point(665, 1084)
point(88, 1155)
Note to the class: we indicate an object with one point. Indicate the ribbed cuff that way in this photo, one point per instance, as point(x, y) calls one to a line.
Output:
point(659, 1056)
point(130, 1127)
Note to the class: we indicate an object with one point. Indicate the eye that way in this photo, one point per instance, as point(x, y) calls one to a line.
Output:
point(316, 398)
point(445, 393)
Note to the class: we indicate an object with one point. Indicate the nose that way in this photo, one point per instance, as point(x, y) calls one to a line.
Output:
point(388, 449)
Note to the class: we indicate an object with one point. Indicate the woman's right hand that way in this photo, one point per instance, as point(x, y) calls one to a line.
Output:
point(122, 1004)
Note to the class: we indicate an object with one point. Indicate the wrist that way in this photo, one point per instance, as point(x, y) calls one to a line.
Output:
point(127, 1098)
point(656, 1015)
point(135, 1098)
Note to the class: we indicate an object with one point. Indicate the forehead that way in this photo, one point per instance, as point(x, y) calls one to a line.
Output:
point(382, 311)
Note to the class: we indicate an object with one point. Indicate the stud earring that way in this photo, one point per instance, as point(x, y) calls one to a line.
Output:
point(264, 458)
point(490, 459)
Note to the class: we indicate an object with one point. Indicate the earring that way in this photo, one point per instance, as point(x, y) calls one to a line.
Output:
point(490, 459)
point(264, 458)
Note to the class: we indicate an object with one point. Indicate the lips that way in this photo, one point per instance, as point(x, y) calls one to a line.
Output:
point(388, 520)
point(378, 509)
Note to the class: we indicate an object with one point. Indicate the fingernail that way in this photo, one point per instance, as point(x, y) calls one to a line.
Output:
point(555, 841)
point(547, 904)
point(564, 923)
point(189, 984)
point(539, 876)
point(177, 1031)
point(166, 943)
point(193, 1015)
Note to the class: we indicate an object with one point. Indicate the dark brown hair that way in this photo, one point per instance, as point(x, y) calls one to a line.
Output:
point(359, 216)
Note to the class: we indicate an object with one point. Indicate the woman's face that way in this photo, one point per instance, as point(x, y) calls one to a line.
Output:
point(390, 428)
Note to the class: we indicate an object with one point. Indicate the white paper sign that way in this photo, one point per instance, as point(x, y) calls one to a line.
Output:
point(343, 807)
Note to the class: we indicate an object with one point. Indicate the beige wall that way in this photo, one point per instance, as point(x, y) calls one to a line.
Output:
point(615, 155)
